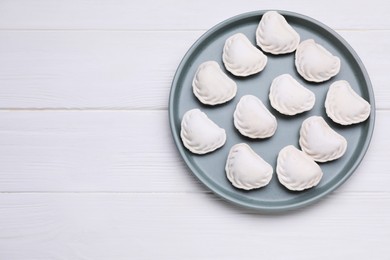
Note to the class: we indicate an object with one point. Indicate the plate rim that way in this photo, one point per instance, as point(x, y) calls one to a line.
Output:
point(265, 208)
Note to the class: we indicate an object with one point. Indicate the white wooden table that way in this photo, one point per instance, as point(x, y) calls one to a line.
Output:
point(88, 168)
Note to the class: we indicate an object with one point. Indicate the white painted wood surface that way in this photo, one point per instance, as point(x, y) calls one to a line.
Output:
point(88, 168)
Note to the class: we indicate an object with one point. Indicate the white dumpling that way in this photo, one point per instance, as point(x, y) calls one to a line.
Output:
point(199, 134)
point(320, 141)
point(211, 85)
point(247, 170)
point(344, 106)
point(315, 63)
point(241, 58)
point(296, 170)
point(289, 97)
point(253, 119)
point(275, 35)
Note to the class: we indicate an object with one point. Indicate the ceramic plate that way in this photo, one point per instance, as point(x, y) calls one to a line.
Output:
point(210, 168)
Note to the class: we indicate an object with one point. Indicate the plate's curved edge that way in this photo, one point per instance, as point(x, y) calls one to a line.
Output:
point(284, 208)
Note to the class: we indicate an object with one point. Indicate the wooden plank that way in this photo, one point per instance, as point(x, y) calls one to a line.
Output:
point(195, 226)
point(169, 14)
point(120, 70)
point(373, 60)
point(93, 151)
point(89, 69)
point(124, 151)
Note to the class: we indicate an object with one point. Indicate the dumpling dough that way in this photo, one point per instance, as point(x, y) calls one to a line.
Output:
point(320, 141)
point(296, 170)
point(199, 134)
point(275, 35)
point(241, 58)
point(314, 62)
point(344, 106)
point(247, 170)
point(289, 97)
point(253, 119)
point(211, 85)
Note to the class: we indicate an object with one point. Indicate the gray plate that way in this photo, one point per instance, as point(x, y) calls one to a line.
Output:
point(210, 168)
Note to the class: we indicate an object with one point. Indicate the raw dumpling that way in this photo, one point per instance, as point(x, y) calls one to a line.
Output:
point(289, 97)
point(275, 35)
point(199, 134)
point(314, 62)
point(320, 141)
point(253, 119)
point(296, 170)
point(247, 170)
point(211, 85)
point(344, 106)
point(241, 58)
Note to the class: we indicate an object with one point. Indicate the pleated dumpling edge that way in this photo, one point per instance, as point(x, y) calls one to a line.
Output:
point(247, 170)
point(344, 106)
point(252, 118)
point(275, 35)
point(241, 58)
point(296, 170)
point(315, 63)
point(200, 134)
point(211, 85)
point(318, 140)
point(289, 97)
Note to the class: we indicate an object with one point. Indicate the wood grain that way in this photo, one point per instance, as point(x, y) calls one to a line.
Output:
point(127, 151)
point(88, 167)
point(179, 15)
point(106, 70)
point(189, 226)
point(123, 70)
